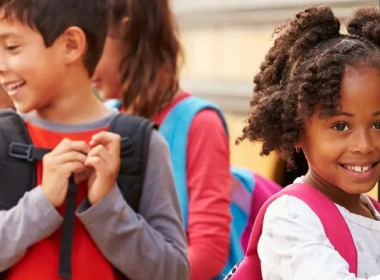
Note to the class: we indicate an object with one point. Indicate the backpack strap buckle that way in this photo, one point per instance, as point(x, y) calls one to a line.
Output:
point(26, 151)
point(20, 151)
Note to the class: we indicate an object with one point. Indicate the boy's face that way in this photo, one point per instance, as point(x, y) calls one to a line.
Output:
point(28, 70)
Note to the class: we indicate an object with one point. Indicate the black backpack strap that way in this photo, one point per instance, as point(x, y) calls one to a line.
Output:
point(12, 159)
point(135, 133)
point(67, 238)
point(18, 156)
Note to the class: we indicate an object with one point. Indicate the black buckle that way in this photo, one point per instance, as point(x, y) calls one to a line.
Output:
point(21, 151)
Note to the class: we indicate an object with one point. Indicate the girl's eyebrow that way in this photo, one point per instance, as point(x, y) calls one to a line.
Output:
point(344, 114)
point(377, 113)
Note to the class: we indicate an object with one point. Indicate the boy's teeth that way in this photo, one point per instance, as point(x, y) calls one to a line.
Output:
point(15, 85)
point(358, 168)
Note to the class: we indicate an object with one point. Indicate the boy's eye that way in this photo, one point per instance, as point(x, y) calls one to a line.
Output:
point(11, 48)
point(376, 125)
point(340, 127)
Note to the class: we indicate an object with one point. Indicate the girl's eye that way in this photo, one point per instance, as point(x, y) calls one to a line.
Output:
point(376, 125)
point(340, 127)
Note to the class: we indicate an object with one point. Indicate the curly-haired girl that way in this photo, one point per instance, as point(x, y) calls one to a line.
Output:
point(319, 90)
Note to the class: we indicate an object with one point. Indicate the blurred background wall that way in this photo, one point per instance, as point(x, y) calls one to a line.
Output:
point(225, 42)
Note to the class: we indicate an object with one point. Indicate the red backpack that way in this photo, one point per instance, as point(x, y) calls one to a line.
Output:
point(332, 220)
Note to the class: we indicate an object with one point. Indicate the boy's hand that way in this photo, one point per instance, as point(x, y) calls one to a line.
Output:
point(104, 158)
point(58, 165)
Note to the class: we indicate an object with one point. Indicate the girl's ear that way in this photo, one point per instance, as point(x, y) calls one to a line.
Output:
point(298, 147)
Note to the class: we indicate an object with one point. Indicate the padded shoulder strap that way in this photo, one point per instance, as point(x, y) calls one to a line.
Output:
point(13, 130)
point(335, 226)
point(175, 129)
point(135, 133)
point(181, 116)
point(333, 222)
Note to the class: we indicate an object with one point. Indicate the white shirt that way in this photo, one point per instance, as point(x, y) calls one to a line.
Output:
point(294, 246)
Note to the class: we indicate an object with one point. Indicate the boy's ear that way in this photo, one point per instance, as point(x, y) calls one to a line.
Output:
point(74, 44)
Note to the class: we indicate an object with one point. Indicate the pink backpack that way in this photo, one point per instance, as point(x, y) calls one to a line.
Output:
point(264, 189)
point(333, 223)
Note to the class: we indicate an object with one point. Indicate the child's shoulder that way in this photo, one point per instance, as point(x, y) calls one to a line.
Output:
point(289, 223)
point(372, 204)
point(288, 209)
point(208, 120)
point(157, 142)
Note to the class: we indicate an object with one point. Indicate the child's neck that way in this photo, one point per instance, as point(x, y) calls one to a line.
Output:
point(352, 202)
point(75, 105)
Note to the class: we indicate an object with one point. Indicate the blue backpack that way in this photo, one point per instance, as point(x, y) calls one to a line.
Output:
point(175, 130)
point(247, 186)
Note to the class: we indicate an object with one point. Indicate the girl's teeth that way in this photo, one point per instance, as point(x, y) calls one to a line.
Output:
point(358, 168)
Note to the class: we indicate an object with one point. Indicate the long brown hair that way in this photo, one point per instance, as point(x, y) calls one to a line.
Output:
point(149, 66)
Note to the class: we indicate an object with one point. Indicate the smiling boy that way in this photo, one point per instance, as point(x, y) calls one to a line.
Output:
point(48, 52)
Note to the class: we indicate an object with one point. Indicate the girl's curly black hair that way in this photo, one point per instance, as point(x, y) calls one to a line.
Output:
point(303, 70)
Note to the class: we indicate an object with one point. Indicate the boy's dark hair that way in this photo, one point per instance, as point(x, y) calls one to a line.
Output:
point(303, 70)
point(52, 17)
point(149, 66)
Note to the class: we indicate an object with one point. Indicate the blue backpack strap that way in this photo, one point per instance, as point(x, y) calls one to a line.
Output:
point(113, 104)
point(240, 215)
point(245, 176)
point(175, 129)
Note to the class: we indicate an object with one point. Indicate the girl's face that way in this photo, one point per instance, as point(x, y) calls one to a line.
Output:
point(106, 78)
point(344, 150)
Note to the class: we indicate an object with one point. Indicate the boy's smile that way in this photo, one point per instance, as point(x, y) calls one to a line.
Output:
point(13, 88)
point(28, 69)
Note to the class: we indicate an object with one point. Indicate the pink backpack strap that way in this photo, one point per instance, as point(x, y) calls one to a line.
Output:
point(263, 190)
point(335, 227)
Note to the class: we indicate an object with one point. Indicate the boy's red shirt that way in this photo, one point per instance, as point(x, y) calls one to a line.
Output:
point(42, 259)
